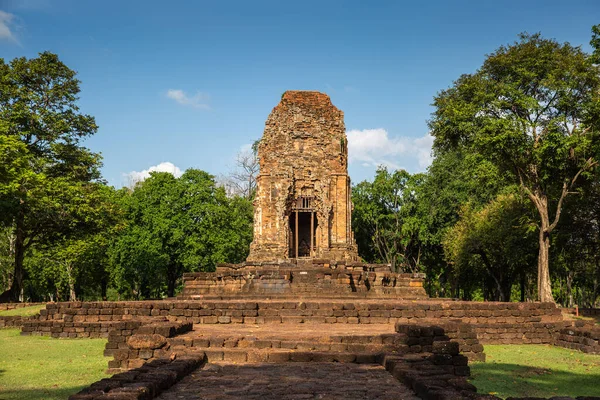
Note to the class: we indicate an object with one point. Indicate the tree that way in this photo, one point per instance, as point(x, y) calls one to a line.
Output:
point(177, 225)
point(491, 245)
point(532, 109)
point(454, 178)
point(595, 43)
point(38, 109)
point(576, 247)
point(382, 219)
point(242, 180)
point(77, 264)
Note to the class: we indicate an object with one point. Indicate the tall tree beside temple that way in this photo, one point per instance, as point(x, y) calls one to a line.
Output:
point(46, 176)
point(532, 109)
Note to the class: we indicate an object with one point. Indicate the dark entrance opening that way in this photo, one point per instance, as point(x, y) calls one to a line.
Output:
point(302, 240)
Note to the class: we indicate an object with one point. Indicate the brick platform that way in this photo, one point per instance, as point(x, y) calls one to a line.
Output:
point(294, 278)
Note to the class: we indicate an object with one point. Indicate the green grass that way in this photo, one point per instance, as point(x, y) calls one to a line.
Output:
point(536, 371)
point(34, 367)
point(23, 311)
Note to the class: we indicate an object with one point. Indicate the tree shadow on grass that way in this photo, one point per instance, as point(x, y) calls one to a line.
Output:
point(506, 380)
point(61, 393)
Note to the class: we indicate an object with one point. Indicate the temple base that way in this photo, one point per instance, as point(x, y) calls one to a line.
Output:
point(303, 278)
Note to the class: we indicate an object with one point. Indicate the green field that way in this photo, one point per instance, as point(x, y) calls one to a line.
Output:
point(33, 367)
point(24, 311)
point(536, 371)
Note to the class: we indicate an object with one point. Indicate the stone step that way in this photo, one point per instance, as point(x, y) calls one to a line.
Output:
point(238, 355)
point(261, 344)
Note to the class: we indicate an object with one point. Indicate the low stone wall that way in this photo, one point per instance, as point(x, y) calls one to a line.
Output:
point(132, 343)
point(421, 338)
point(585, 338)
point(11, 321)
point(308, 311)
point(589, 312)
point(72, 330)
point(15, 321)
point(518, 333)
point(437, 370)
point(146, 382)
point(583, 312)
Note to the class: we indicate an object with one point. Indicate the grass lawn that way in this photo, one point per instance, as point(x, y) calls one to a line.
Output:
point(24, 311)
point(34, 367)
point(536, 371)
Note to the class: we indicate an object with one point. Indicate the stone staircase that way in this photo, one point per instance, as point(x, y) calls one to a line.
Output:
point(283, 343)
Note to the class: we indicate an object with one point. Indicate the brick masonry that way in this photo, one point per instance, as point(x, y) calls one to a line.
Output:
point(143, 383)
point(132, 344)
point(482, 316)
point(303, 156)
point(317, 278)
point(582, 337)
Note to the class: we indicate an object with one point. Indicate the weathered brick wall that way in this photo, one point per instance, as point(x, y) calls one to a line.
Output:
point(14, 321)
point(421, 338)
point(436, 369)
point(62, 329)
point(142, 383)
point(318, 310)
point(134, 343)
point(319, 280)
point(493, 322)
point(583, 337)
point(303, 153)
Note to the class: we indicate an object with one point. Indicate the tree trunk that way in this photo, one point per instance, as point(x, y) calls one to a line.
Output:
point(570, 289)
point(16, 289)
point(544, 286)
point(71, 282)
point(103, 289)
point(172, 272)
point(543, 282)
point(522, 286)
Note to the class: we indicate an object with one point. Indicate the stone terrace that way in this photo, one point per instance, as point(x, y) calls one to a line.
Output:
point(495, 322)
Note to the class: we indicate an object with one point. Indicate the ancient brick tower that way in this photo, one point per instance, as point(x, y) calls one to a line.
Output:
point(303, 205)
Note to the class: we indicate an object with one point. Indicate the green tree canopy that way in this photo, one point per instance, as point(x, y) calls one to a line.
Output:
point(491, 245)
point(176, 225)
point(383, 219)
point(532, 110)
point(49, 173)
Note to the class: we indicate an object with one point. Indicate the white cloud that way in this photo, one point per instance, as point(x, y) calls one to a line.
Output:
point(374, 147)
point(246, 148)
point(199, 100)
point(134, 177)
point(6, 26)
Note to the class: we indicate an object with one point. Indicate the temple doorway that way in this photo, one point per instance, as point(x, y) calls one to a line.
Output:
point(303, 228)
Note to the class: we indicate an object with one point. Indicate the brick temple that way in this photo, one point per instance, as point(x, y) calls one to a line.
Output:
point(303, 242)
point(303, 206)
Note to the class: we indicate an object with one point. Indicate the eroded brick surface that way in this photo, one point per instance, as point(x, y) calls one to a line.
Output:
point(289, 381)
point(303, 154)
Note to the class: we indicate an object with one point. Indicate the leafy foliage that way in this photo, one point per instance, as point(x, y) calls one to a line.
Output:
point(532, 110)
point(495, 242)
point(47, 174)
point(175, 226)
point(382, 219)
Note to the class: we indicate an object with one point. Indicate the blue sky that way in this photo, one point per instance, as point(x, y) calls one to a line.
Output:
point(192, 82)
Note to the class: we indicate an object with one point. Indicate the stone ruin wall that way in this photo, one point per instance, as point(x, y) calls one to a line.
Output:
point(303, 153)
